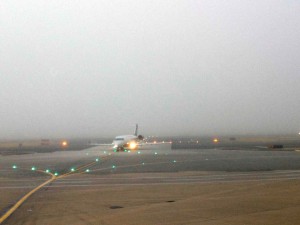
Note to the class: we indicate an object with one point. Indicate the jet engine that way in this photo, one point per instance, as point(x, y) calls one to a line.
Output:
point(141, 137)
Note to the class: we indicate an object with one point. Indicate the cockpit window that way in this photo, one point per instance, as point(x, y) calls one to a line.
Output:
point(119, 139)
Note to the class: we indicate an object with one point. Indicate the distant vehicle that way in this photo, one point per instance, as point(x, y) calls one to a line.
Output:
point(129, 142)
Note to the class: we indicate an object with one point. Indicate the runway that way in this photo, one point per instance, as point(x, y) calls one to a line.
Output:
point(96, 169)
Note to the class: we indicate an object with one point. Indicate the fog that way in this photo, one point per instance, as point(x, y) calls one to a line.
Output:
point(95, 68)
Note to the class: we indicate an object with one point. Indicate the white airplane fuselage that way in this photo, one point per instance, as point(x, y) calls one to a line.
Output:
point(128, 142)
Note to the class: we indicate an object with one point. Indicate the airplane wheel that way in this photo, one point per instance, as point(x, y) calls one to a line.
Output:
point(120, 149)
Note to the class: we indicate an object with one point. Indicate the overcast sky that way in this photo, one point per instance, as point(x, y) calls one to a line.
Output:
point(177, 67)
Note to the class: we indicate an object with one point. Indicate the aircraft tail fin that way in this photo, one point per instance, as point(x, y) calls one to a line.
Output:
point(136, 130)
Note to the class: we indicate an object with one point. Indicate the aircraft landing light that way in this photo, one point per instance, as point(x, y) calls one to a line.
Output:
point(132, 145)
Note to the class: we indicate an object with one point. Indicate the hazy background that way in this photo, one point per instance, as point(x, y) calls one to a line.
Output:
point(94, 68)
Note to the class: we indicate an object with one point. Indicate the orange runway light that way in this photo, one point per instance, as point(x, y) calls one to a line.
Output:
point(64, 144)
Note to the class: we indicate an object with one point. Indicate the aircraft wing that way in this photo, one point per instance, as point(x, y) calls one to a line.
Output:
point(97, 144)
point(153, 143)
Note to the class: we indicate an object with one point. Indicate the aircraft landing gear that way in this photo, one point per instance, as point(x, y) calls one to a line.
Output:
point(120, 149)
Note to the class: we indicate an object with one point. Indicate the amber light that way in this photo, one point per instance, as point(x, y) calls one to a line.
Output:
point(132, 145)
point(216, 140)
point(64, 143)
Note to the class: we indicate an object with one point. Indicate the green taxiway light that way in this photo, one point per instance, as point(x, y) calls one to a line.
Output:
point(125, 150)
point(143, 163)
point(72, 169)
point(139, 152)
point(14, 167)
point(104, 152)
point(113, 166)
point(97, 160)
point(33, 168)
point(155, 153)
point(55, 174)
point(87, 170)
point(174, 161)
point(47, 171)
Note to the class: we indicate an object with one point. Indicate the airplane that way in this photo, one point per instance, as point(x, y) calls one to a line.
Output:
point(129, 142)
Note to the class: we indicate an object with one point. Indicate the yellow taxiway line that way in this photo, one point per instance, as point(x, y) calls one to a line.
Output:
point(53, 177)
point(12, 209)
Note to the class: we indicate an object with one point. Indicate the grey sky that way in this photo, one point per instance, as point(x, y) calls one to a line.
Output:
point(177, 67)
